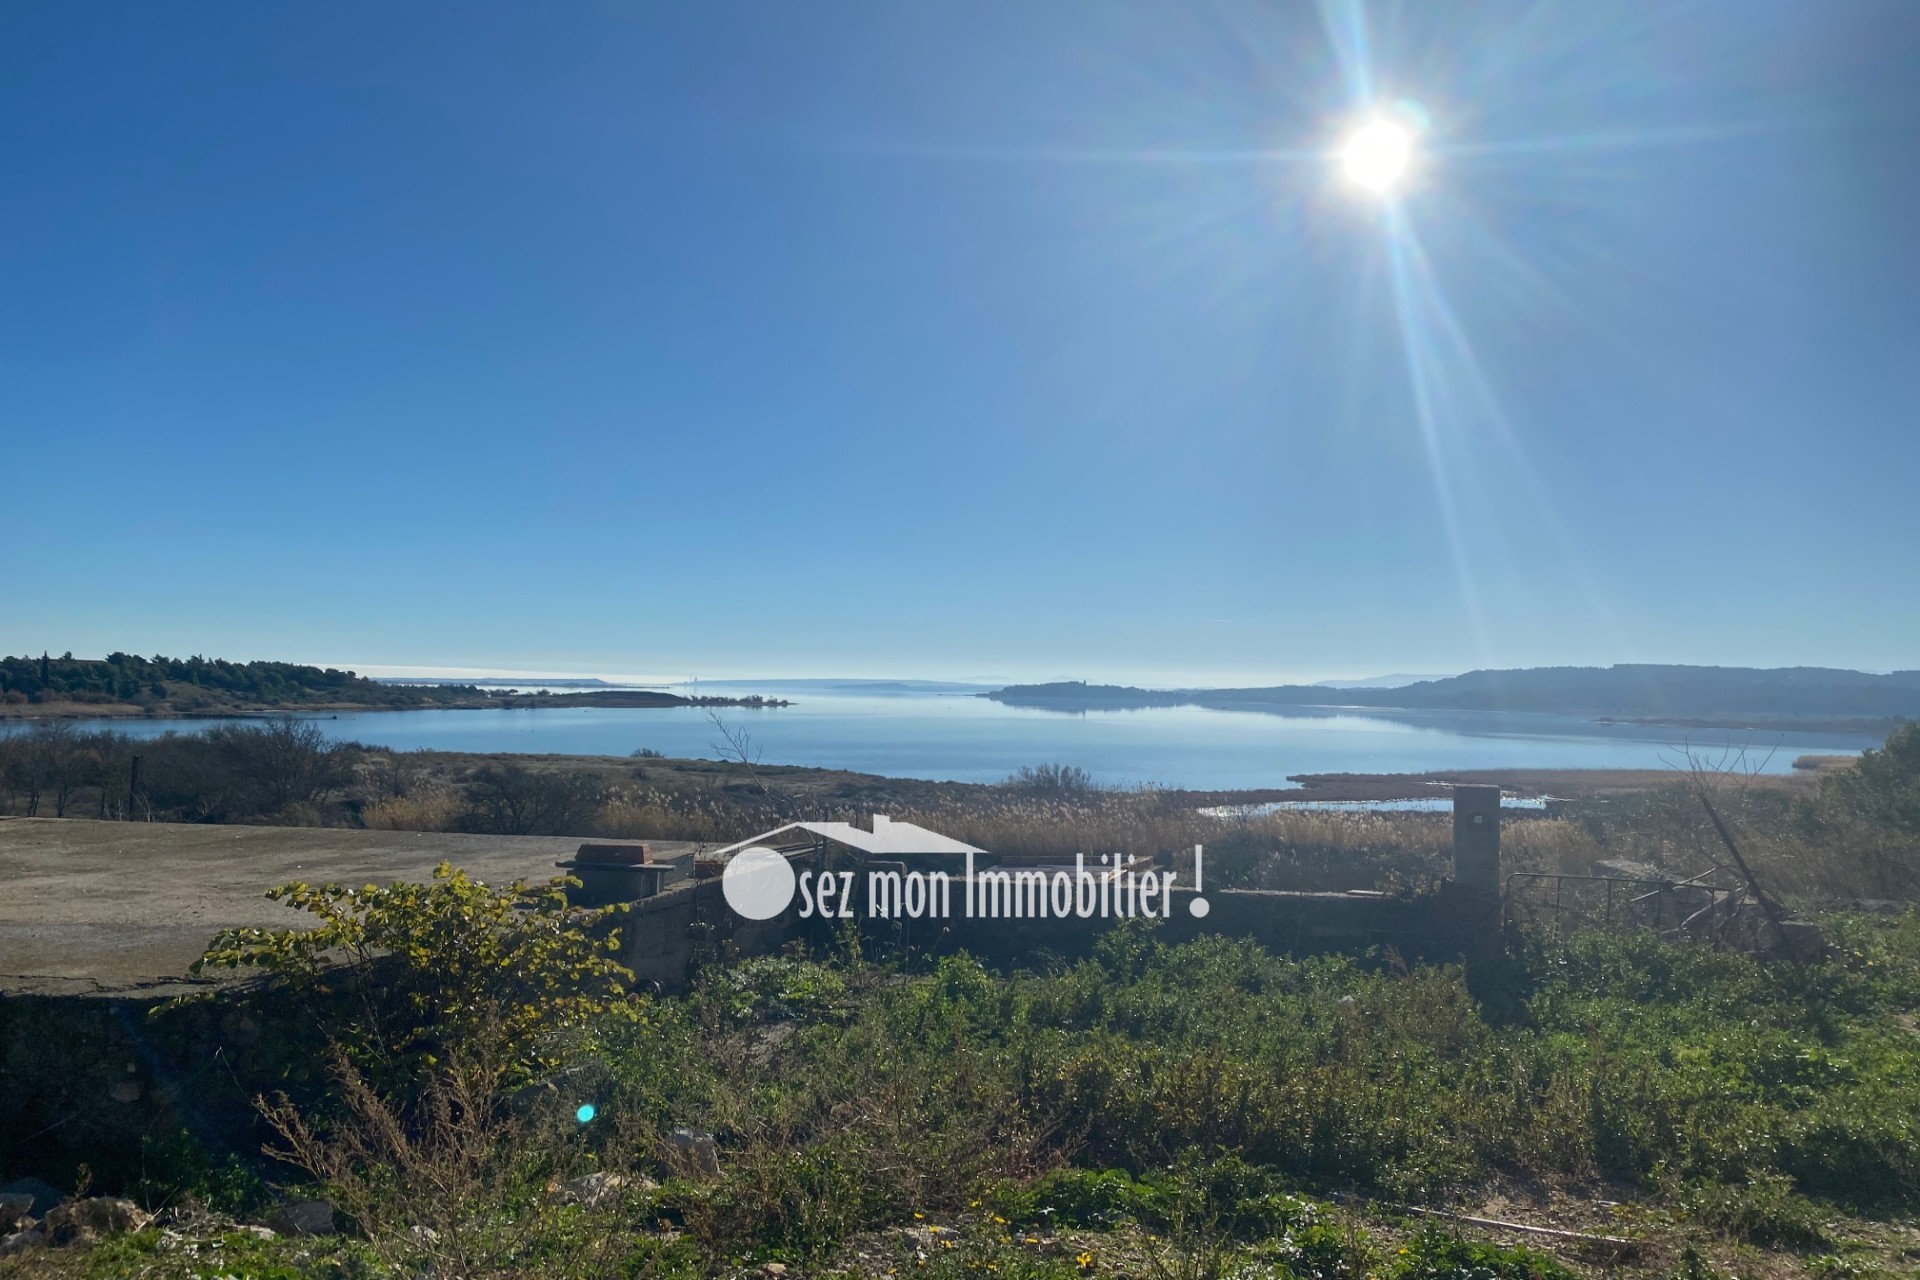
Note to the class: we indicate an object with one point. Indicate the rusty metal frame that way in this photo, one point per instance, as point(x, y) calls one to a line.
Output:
point(1718, 897)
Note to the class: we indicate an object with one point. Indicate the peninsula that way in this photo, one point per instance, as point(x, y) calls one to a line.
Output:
point(125, 684)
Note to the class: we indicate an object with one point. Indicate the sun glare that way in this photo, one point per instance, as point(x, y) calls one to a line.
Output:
point(1375, 156)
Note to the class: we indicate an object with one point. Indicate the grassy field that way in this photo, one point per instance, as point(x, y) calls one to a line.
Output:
point(1152, 1111)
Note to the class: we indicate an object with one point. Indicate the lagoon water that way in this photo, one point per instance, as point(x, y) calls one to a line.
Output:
point(942, 735)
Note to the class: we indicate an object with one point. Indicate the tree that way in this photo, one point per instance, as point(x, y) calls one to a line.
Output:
point(736, 746)
point(51, 765)
point(512, 800)
point(286, 761)
point(1884, 786)
point(13, 766)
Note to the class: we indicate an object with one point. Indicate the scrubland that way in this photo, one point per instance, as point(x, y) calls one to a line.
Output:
point(1651, 1105)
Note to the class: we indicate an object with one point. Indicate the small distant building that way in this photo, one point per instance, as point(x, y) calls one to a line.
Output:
point(888, 839)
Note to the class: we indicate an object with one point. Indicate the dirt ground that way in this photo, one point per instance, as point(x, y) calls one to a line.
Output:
point(117, 907)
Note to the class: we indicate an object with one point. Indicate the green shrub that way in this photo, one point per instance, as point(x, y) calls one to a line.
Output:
point(1102, 1198)
point(1883, 787)
point(177, 1169)
point(1764, 1211)
point(773, 988)
point(399, 977)
point(1434, 1254)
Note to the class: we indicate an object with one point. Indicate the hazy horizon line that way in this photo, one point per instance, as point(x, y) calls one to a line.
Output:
point(1150, 681)
point(1138, 677)
point(735, 676)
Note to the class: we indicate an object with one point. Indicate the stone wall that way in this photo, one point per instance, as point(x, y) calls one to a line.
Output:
point(669, 936)
point(86, 1079)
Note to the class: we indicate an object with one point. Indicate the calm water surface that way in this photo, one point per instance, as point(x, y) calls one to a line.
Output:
point(970, 739)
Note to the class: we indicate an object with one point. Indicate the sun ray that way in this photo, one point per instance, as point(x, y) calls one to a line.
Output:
point(1601, 140)
point(1388, 141)
point(1345, 22)
point(1182, 157)
point(1417, 351)
point(1460, 354)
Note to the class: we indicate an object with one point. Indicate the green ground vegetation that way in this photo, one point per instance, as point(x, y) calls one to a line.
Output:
point(1207, 1109)
point(1149, 1110)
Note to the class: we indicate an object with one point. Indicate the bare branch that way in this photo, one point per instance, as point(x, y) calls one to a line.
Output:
point(736, 746)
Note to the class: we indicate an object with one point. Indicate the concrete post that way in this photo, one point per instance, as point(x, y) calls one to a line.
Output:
point(1476, 839)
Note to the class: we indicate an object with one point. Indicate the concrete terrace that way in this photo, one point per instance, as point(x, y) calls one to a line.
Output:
point(123, 908)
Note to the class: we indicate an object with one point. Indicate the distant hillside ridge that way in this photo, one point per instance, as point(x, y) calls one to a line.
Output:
point(123, 684)
point(203, 683)
point(1397, 681)
point(1625, 691)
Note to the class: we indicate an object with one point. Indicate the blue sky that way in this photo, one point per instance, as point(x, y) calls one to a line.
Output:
point(988, 340)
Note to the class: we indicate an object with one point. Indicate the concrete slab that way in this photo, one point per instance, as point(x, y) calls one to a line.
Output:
point(118, 908)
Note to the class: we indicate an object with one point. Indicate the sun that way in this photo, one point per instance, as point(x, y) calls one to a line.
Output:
point(1376, 156)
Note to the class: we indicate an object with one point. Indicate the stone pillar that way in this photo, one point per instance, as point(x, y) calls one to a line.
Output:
point(1476, 839)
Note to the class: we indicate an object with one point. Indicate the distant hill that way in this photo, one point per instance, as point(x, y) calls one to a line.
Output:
point(1805, 696)
point(844, 684)
point(1377, 682)
point(204, 685)
point(123, 684)
point(503, 682)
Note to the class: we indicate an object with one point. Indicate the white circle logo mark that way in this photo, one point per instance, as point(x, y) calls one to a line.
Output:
point(758, 883)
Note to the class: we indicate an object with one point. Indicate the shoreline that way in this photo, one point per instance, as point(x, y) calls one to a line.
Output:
point(1836, 714)
point(613, 698)
point(1866, 726)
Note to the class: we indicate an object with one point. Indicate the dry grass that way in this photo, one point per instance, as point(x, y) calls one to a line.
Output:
point(430, 809)
point(1549, 844)
point(1801, 853)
